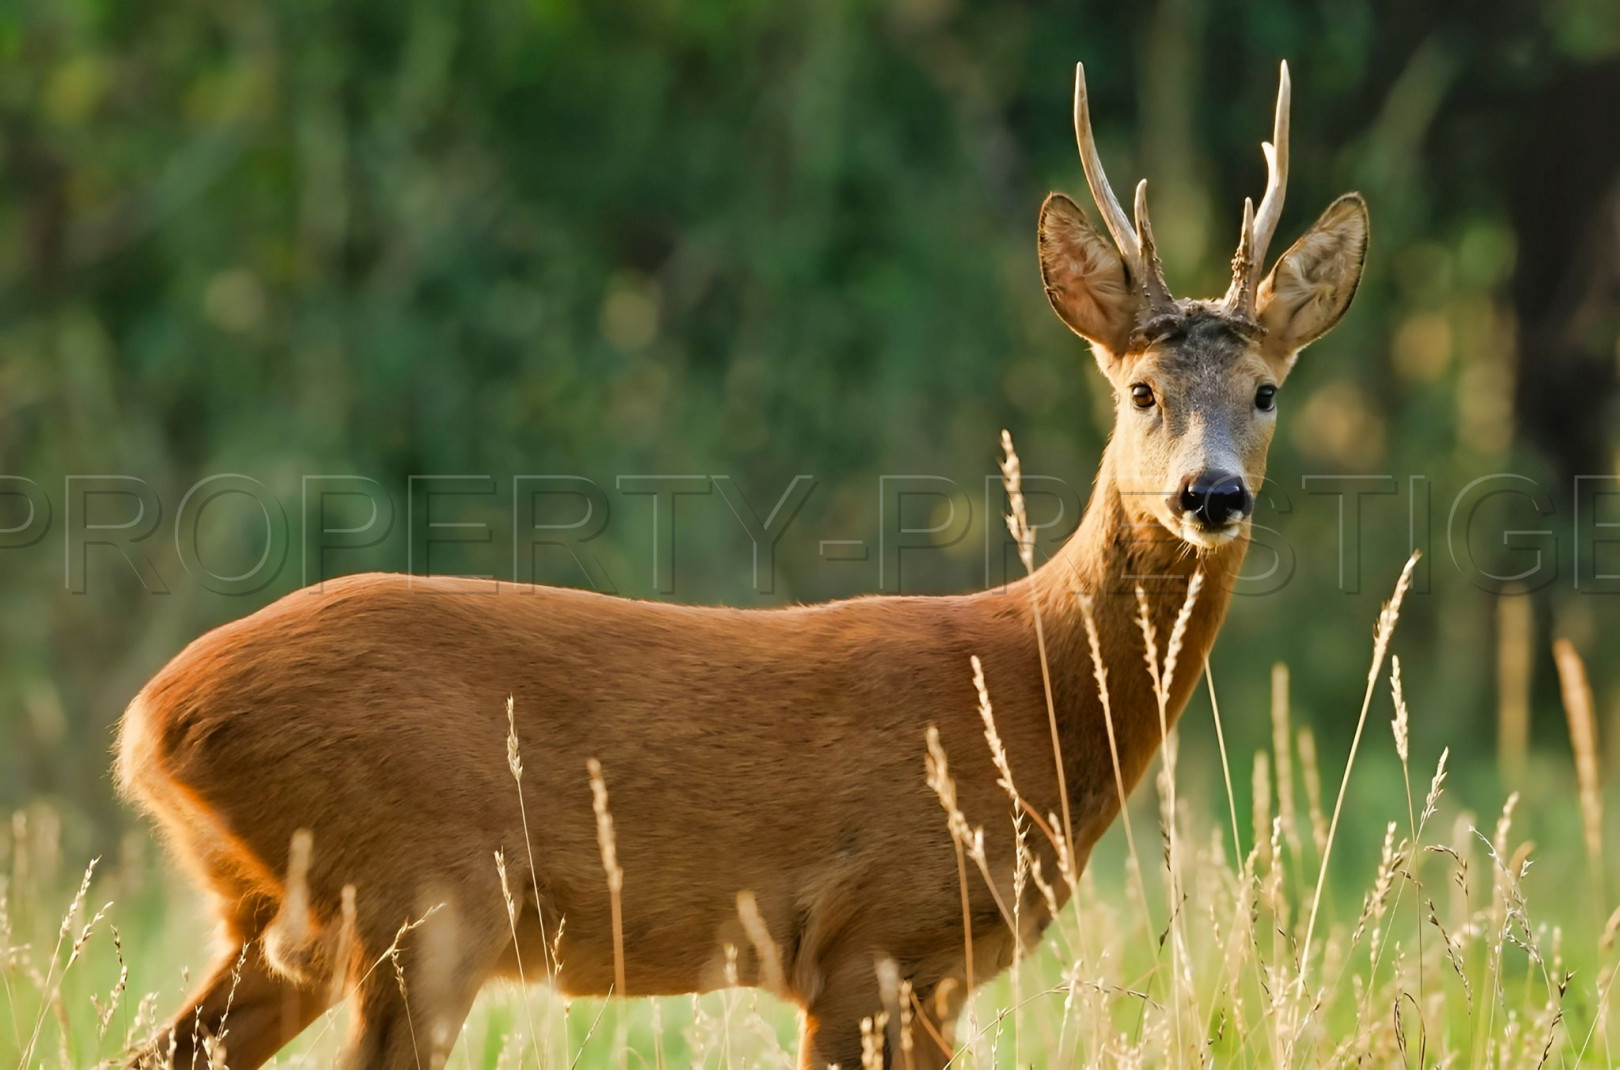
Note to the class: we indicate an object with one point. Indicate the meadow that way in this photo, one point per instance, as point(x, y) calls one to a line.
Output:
point(1475, 937)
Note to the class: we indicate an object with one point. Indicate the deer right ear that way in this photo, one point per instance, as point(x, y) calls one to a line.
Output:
point(1311, 286)
point(1084, 276)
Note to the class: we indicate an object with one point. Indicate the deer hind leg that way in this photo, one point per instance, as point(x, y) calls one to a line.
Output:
point(831, 1029)
point(922, 1039)
point(245, 1006)
point(419, 984)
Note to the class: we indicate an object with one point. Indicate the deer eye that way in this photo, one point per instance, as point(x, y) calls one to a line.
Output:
point(1265, 399)
point(1142, 396)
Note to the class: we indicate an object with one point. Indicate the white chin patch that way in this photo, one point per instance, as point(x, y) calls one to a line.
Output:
point(1208, 538)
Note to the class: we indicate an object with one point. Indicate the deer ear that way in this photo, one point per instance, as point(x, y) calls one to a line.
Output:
point(1084, 276)
point(1313, 282)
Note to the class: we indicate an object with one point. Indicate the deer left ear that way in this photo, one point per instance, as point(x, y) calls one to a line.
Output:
point(1085, 278)
point(1313, 282)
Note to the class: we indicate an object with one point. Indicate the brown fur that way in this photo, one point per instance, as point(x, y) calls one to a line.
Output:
point(778, 751)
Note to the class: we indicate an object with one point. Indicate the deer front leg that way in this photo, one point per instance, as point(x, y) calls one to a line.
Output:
point(421, 980)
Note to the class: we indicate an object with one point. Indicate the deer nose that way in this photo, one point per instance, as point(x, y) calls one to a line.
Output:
point(1214, 499)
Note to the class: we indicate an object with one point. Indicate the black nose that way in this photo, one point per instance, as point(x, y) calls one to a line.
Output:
point(1214, 499)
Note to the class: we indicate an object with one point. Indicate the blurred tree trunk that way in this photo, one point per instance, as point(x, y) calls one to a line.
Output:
point(1566, 287)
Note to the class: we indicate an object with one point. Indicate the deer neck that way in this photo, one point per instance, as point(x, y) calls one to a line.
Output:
point(1107, 559)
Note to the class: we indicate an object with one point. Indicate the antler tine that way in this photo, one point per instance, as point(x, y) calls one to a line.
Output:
point(1240, 295)
point(1259, 226)
point(1276, 150)
point(1113, 215)
point(1152, 271)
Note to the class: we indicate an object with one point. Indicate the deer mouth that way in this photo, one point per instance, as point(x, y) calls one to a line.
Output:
point(1207, 537)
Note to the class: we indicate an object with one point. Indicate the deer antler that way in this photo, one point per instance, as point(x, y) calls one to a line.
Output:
point(1135, 243)
point(1259, 226)
point(1152, 273)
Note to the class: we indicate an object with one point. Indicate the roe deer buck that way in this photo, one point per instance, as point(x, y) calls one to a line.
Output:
point(777, 751)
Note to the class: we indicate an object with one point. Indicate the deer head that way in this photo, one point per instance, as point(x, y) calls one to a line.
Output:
point(1196, 381)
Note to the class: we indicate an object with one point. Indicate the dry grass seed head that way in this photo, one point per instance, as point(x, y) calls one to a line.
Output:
point(292, 921)
point(1262, 809)
point(1436, 786)
point(1401, 724)
point(1313, 788)
point(1178, 633)
point(1012, 478)
point(1281, 737)
point(514, 759)
point(765, 949)
point(998, 751)
point(606, 840)
point(347, 941)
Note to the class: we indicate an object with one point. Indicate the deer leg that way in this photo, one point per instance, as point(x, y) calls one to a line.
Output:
point(934, 1012)
point(923, 1039)
point(243, 1007)
point(830, 1031)
point(420, 987)
point(830, 1034)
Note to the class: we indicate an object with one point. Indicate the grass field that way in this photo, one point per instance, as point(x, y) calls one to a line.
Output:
point(1461, 944)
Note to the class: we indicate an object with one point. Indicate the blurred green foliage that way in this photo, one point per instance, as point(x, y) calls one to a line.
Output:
point(761, 240)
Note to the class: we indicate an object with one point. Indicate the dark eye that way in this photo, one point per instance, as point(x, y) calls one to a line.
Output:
point(1265, 399)
point(1142, 396)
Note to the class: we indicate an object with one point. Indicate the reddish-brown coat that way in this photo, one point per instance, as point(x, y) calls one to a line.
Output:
point(776, 751)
